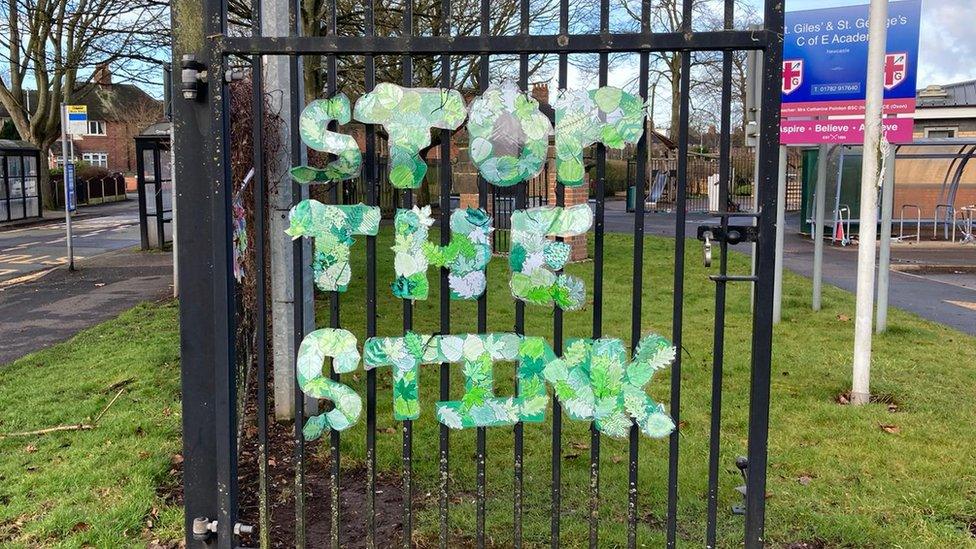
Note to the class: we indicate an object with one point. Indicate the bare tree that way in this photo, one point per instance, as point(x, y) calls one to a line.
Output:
point(504, 18)
point(55, 46)
point(135, 117)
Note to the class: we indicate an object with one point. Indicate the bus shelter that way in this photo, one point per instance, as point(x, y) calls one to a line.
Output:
point(155, 186)
point(19, 196)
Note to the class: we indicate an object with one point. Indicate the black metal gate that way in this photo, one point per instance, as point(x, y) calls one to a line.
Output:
point(209, 344)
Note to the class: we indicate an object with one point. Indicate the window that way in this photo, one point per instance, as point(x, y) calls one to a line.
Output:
point(940, 132)
point(95, 159)
point(96, 127)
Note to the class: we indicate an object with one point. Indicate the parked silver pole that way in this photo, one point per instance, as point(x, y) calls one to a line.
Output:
point(64, 178)
point(819, 205)
point(780, 236)
point(884, 255)
point(868, 218)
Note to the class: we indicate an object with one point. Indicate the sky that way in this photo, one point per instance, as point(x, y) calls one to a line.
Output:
point(947, 44)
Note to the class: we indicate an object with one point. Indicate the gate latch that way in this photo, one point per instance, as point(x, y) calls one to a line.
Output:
point(733, 234)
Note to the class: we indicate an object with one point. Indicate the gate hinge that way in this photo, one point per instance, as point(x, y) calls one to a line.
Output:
point(204, 528)
point(734, 234)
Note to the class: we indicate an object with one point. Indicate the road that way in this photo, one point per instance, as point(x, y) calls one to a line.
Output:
point(42, 304)
point(97, 230)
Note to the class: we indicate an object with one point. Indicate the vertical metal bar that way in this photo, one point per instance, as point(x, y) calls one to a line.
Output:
point(157, 173)
point(677, 310)
point(445, 296)
point(601, 181)
point(140, 191)
point(334, 310)
point(194, 144)
point(369, 82)
point(521, 192)
point(260, 289)
point(407, 319)
point(637, 290)
point(762, 320)
point(225, 397)
point(718, 329)
point(481, 450)
point(298, 275)
point(557, 327)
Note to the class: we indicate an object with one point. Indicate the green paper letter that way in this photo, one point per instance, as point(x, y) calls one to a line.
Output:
point(479, 407)
point(594, 382)
point(313, 126)
point(607, 115)
point(533, 257)
point(340, 345)
point(408, 114)
point(509, 135)
point(467, 255)
point(333, 228)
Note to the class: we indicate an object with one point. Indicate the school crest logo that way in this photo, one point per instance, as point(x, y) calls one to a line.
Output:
point(895, 69)
point(792, 75)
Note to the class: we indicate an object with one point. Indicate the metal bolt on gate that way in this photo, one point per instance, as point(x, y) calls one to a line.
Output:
point(209, 353)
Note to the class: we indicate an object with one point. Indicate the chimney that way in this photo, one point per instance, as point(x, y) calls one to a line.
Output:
point(103, 75)
point(540, 92)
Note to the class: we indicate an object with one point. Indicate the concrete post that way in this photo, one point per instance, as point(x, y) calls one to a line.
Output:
point(819, 205)
point(867, 233)
point(884, 255)
point(281, 94)
point(780, 230)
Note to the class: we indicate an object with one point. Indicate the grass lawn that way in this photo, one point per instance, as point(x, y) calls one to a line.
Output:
point(99, 487)
point(836, 475)
point(839, 475)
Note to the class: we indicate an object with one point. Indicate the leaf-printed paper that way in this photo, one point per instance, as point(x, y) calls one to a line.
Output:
point(408, 114)
point(332, 227)
point(597, 383)
point(466, 257)
point(607, 115)
point(340, 345)
point(534, 257)
point(477, 353)
point(509, 135)
point(313, 127)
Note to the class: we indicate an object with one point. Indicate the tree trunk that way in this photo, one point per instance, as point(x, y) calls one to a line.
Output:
point(44, 180)
point(675, 69)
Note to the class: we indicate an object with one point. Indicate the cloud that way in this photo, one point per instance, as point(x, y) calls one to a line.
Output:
point(947, 46)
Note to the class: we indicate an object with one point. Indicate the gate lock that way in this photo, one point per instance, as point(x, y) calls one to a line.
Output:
point(732, 234)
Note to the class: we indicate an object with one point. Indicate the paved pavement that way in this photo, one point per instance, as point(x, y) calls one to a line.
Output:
point(96, 229)
point(947, 296)
point(42, 304)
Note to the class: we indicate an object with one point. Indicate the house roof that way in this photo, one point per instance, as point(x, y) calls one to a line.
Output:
point(110, 102)
point(958, 94)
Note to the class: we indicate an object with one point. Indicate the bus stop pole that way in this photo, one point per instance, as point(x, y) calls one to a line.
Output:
point(819, 205)
point(780, 234)
point(867, 230)
point(884, 255)
point(64, 179)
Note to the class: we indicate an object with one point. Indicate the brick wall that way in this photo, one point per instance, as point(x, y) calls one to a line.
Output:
point(118, 142)
point(919, 181)
point(573, 196)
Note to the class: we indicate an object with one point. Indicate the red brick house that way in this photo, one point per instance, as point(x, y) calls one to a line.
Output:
point(116, 114)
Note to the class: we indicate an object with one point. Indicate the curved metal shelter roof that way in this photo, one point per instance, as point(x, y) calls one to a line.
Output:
point(16, 145)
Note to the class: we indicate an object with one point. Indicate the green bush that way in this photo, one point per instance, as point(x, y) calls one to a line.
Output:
point(616, 174)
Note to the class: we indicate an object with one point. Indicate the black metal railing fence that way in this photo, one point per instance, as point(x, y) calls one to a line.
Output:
point(210, 301)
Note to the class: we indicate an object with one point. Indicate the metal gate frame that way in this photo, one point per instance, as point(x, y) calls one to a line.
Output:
point(207, 311)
